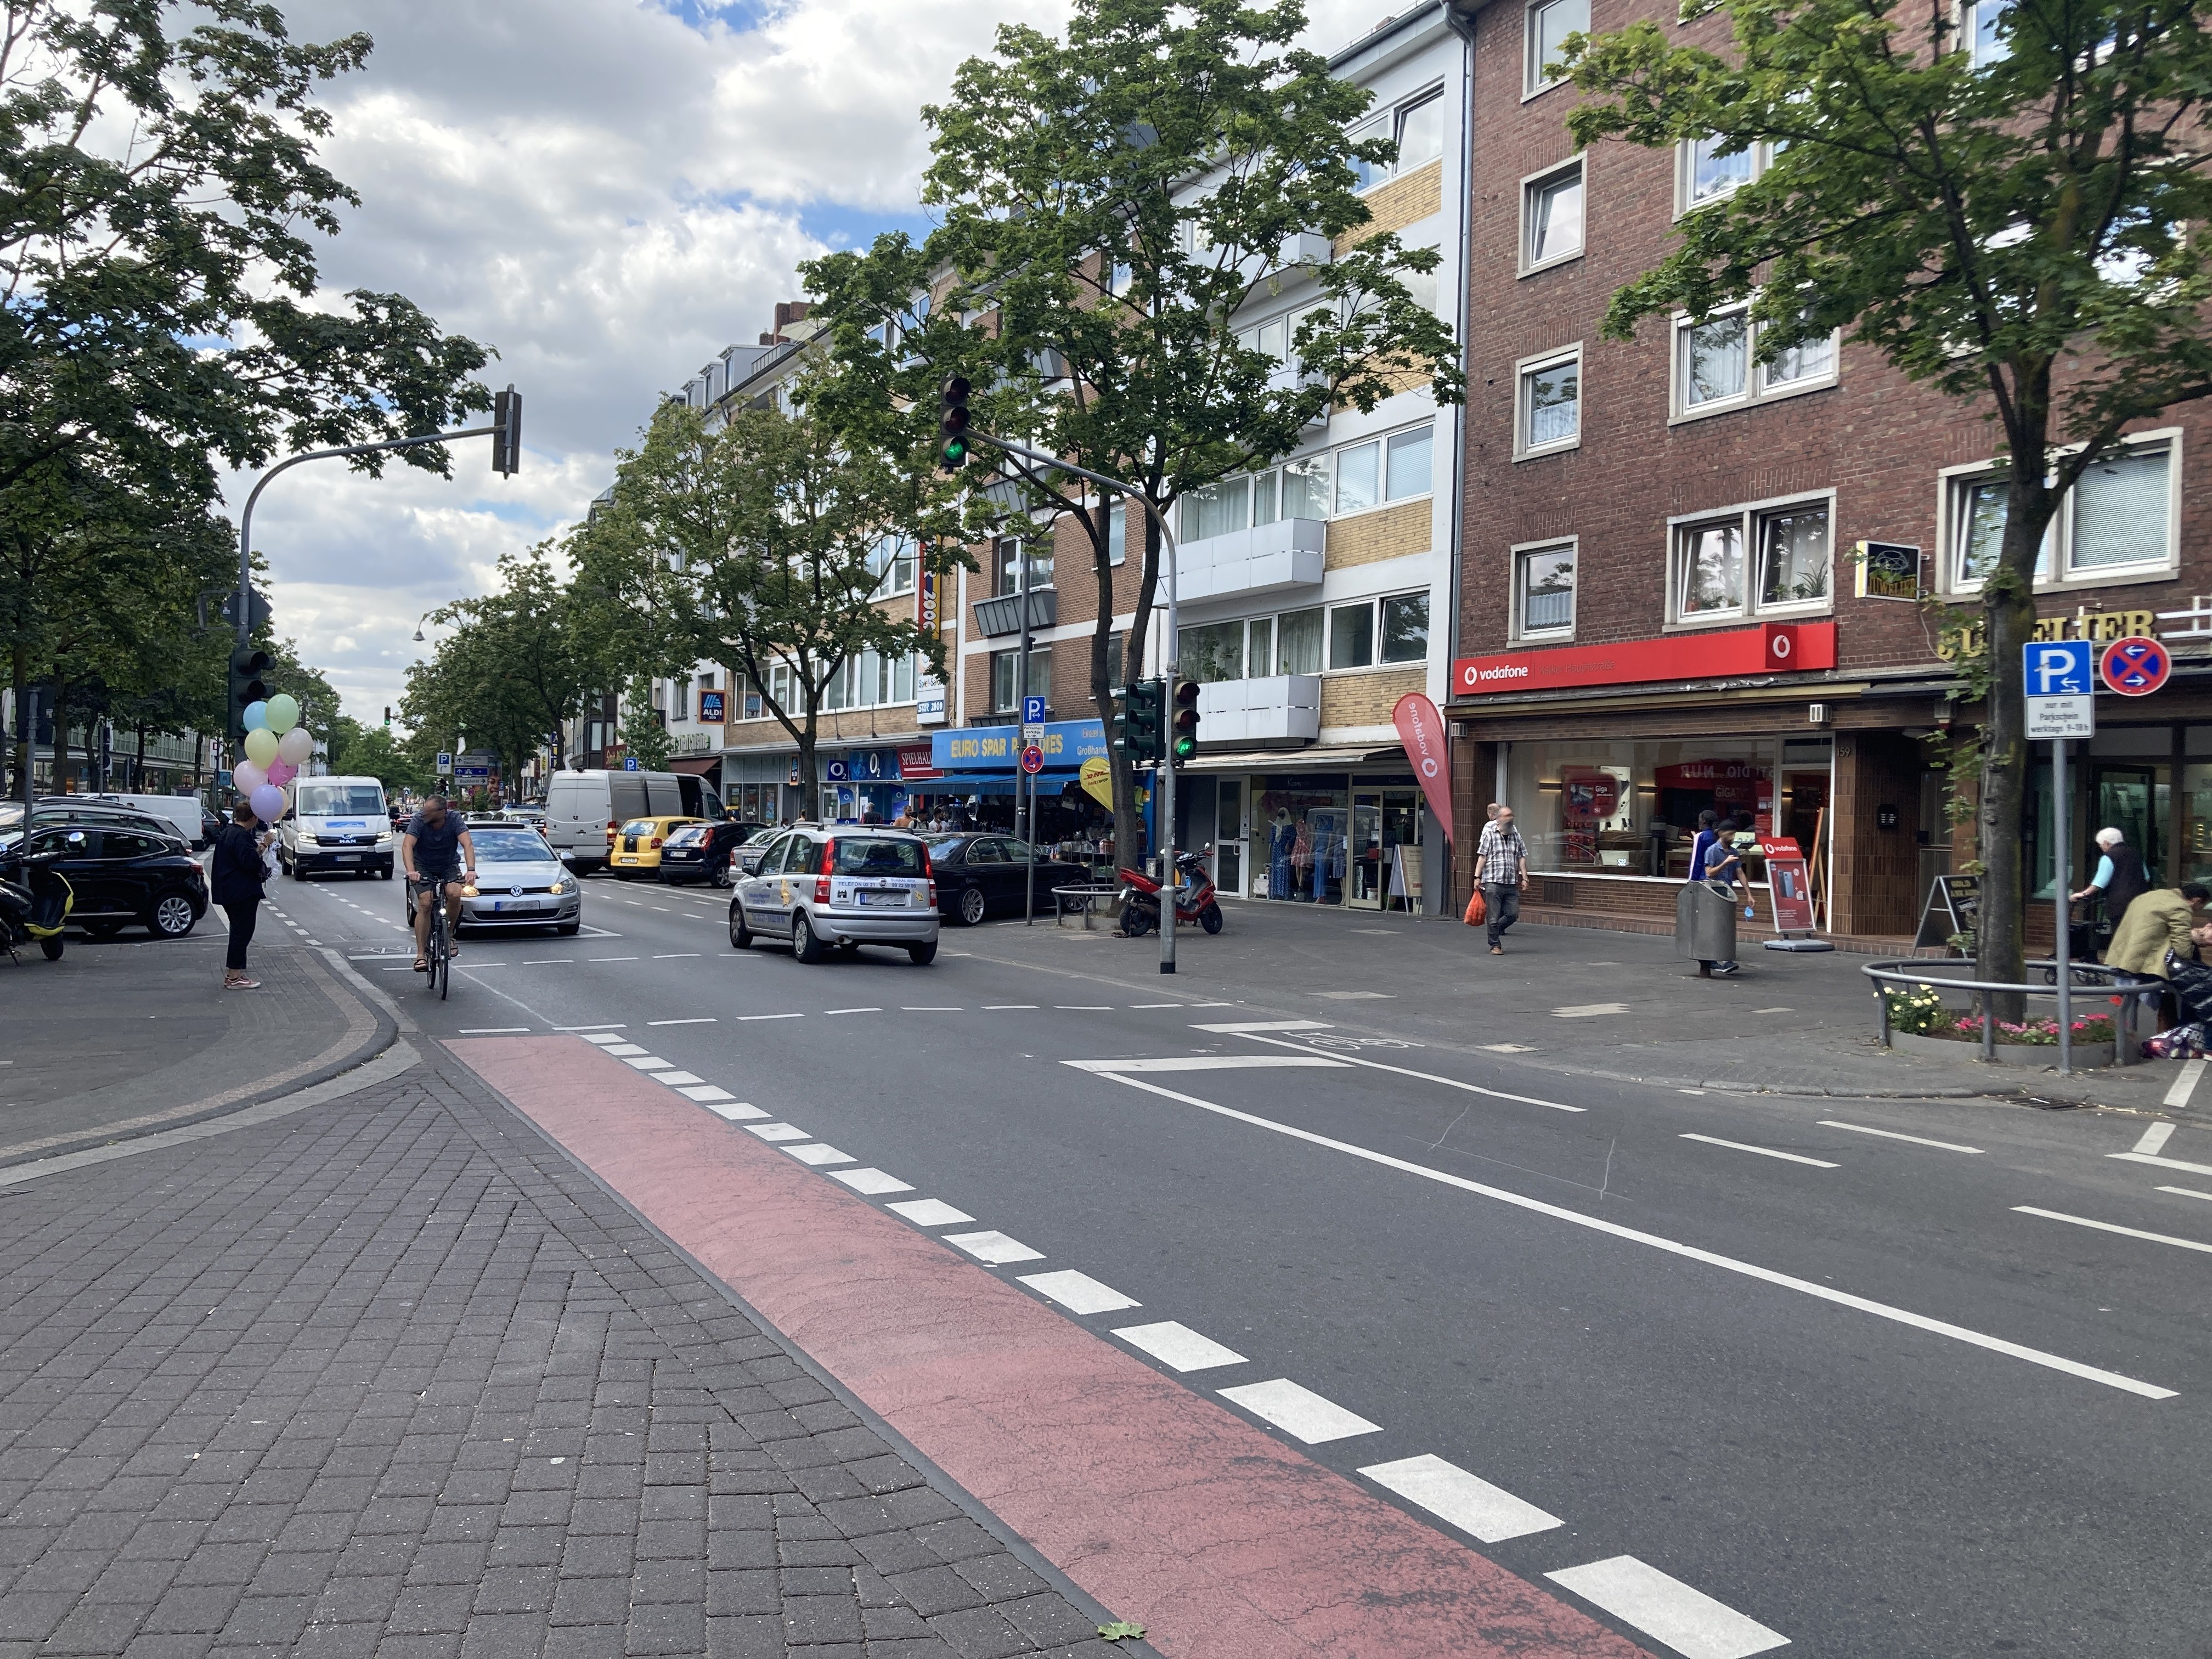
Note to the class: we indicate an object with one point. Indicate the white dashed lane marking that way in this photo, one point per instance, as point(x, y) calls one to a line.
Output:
point(1179, 1347)
point(1469, 1502)
point(2113, 1227)
point(1078, 1292)
point(1667, 1609)
point(994, 1248)
point(1299, 1412)
point(1764, 1151)
point(929, 1212)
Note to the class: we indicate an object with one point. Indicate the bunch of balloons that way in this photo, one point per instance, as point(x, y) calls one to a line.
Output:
point(277, 747)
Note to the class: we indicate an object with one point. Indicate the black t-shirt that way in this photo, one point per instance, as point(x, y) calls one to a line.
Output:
point(437, 847)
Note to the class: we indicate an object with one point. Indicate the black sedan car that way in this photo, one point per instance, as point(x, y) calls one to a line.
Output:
point(979, 874)
point(702, 852)
point(120, 876)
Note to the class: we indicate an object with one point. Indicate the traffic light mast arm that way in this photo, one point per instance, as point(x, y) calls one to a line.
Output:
point(245, 518)
point(1166, 782)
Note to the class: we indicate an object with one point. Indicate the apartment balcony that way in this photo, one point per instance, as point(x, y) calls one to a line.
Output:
point(1269, 558)
point(1307, 249)
point(1277, 712)
point(1004, 614)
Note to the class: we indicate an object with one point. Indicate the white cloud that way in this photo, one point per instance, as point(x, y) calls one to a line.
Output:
point(609, 193)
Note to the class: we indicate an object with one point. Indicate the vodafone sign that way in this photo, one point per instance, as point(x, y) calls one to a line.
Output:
point(1770, 649)
point(1423, 730)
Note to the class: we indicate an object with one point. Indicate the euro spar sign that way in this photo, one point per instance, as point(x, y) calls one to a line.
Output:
point(1769, 648)
point(1423, 730)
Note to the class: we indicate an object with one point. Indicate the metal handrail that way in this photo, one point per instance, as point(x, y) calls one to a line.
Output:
point(1915, 971)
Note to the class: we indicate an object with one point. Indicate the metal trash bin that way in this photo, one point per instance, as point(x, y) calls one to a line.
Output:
point(1704, 924)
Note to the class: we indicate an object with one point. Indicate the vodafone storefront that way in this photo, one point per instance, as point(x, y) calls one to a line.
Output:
point(1609, 754)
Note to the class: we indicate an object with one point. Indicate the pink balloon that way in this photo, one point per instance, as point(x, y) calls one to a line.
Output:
point(281, 772)
point(248, 777)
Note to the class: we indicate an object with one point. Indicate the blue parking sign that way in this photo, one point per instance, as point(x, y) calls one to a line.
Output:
point(2058, 668)
point(1032, 711)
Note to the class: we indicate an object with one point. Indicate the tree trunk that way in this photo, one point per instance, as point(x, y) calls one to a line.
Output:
point(2008, 622)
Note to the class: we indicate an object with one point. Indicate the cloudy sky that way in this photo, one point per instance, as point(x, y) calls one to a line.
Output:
point(609, 192)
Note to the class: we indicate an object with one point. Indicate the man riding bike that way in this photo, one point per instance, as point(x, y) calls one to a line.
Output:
point(436, 851)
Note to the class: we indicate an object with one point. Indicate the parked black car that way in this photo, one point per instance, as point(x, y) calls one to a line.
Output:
point(702, 852)
point(979, 874)
point(121, 876)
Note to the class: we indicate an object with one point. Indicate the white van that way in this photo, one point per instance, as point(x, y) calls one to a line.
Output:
point(183, 811)
point(582, 809)
point(337, 823)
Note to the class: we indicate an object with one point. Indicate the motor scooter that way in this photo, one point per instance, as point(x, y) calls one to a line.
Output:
point(1195, 897)
point(35, 907)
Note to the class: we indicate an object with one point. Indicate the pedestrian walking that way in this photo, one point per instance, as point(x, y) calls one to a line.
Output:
point(1501, 870)
point(2121, 878)
point(235, 884)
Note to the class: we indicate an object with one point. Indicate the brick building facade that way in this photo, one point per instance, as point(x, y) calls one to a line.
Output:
point(1668, 597)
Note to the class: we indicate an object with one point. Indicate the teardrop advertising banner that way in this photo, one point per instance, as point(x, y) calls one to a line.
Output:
point(1423, 729)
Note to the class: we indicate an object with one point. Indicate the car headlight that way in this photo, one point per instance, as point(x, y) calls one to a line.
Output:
point(382, 836)
point(560, 885)
point(308, 841)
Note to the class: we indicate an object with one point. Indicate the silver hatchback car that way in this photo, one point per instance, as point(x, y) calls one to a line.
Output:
point(520, 882)
point(845, 885)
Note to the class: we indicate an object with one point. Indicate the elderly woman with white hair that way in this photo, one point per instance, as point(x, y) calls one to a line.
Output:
point(2120, 875)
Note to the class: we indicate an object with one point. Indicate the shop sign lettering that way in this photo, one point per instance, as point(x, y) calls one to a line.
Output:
point(1952, 643)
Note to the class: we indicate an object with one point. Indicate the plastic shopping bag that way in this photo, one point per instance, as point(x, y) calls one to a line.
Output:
point(1478, 913)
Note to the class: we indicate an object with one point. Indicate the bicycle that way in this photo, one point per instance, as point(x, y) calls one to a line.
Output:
point(440, 970)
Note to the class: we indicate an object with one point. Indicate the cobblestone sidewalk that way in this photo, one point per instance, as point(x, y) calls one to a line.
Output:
point(392, 1377)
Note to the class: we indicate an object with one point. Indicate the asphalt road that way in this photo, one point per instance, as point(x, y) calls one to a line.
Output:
point(1877, 1378)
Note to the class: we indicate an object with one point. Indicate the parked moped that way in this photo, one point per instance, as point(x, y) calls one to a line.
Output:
point(1195, 897)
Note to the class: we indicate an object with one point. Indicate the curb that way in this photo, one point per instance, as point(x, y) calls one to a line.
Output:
point(387, 1024)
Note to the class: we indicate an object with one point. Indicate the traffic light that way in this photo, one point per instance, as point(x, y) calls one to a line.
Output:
point(952, 425)
point(1143, 703)
point(506, 431)
point(249, 682)
point(1184, 744)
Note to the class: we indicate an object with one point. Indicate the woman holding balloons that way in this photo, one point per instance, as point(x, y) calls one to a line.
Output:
point(276, 746)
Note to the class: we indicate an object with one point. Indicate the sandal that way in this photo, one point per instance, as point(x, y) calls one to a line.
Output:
point(452, 951)
point(422, 965)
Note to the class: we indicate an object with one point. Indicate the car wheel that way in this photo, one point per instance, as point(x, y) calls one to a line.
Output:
point(972, 906)
point(297, 870)
point(720, 875)
point(741, 937)
point(804, 945)
point(385, 874)
point(923, 955)
point(172, 917)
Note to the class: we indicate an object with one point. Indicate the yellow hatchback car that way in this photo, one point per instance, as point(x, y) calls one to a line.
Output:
point(634, 849)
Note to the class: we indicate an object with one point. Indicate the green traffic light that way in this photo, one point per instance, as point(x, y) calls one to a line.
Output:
point(1185, 748)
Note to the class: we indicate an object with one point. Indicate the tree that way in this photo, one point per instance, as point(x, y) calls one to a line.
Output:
point(2021, 232)
point(1111, 200)
point(645, 737)
point(536, 636)
point(160, 308)
point(464, 696)
point(369, 751)
point(758, 544)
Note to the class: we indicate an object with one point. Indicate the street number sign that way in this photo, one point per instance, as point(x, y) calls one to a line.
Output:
point(2135, 667)
point(1033, 760)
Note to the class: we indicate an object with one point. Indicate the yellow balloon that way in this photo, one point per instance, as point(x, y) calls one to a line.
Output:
point(261, 746)
point(283, 712)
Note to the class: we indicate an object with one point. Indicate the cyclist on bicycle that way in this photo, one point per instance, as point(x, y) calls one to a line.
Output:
point(436, 851)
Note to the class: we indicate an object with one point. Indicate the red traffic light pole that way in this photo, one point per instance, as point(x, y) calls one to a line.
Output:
point(505, 431)
point(1167, 794)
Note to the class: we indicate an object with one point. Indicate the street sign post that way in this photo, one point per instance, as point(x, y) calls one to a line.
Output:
point(2062, 706)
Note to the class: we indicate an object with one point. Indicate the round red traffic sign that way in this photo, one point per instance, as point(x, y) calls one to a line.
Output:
point(2135, 667)
point(1033, 760)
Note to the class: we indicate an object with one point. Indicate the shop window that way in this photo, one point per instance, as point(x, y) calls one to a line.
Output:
point(1006, 696)
point(2118, 518)
point(1552, 217)
point(1598, 807)
point(1298, 642)
point(1549, 24)
point(1408, 453)
point(1790, 558)
point(1405, 628)
point(1358, 482)
point(1544, 592)
point(1715, 367)
point(1211, 652)
point(1550, 404)
point(1351, 636)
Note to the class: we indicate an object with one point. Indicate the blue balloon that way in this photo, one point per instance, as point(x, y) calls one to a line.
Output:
point(256, 714)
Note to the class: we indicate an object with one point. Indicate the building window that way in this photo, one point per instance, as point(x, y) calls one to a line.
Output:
point(1791, 554)
point(893, 563)
point(1980, 22)
point(1305, 488)
point(1550, 404)
point(1298, 642)
point(1351, 636)
point(1544, 592)
point(1405, 628)
point(1212, 652)
point(1416, 126)
point(1117, 536)
point(1714, 368)
point(1357, 478)
point(1550, 22)
point(1708, 174)
point(1006, 696)
point(679, 700)
point(1408, 457)
point(2118, 519)
point(1552, 217)
point(1006, 565)
point(1217, 510)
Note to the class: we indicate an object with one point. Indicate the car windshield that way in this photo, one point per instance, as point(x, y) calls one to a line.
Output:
point(638, 827)
point(945, 849)
point(339, 800)
point(857, 856)
point(509, 846)
point(687, 834)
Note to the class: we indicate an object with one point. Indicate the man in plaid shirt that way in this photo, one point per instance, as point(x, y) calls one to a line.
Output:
point(1501, 870)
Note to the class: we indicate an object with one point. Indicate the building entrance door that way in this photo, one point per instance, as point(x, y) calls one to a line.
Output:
point(2131, 798)
point(1367, 871)
point(1229, 839)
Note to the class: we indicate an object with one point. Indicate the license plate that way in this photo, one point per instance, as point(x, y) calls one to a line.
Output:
point(348, 858)
point(880, 899)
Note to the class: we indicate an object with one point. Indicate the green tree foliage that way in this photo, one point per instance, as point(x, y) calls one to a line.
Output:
point(644, 735)
point(369, 751)
point(2023, 233)
point(160, 312)
point(1111, 199)
point(759, 542)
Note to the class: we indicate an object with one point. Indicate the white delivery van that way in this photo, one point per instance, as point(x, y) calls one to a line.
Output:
point(582, 809)
point(337, 823)
point(183, 811)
